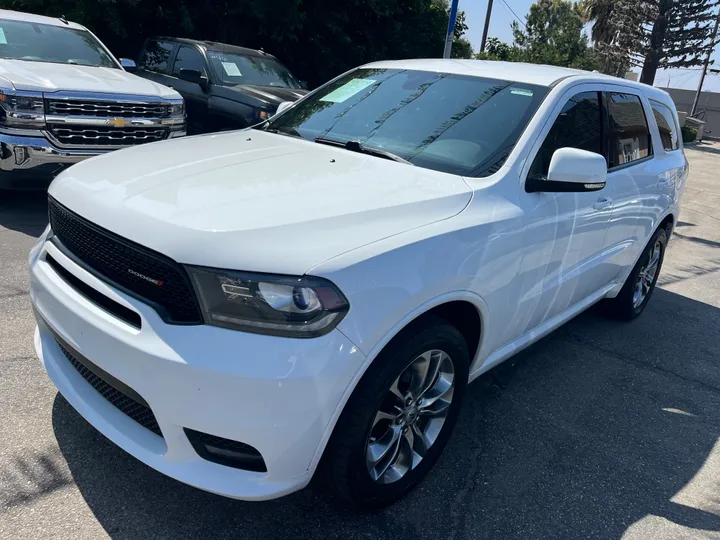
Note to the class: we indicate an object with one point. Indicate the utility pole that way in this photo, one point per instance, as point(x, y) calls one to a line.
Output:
point(487, 26)
point(706, 63)
point(451, 29)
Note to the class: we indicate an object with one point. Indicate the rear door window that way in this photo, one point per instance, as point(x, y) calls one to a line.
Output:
point(629, 134)
point(579, 125)
point(156, 56)
point(669, 132)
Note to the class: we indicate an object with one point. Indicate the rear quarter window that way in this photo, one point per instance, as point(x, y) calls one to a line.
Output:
point(667, 125)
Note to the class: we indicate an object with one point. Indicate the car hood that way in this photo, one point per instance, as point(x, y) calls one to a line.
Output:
point(256, 201)
point(271, 94)
point(48, 77)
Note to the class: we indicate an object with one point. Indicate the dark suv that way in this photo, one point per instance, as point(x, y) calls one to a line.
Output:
point(224, 86)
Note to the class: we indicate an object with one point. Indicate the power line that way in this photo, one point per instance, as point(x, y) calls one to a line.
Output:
point(514, 14)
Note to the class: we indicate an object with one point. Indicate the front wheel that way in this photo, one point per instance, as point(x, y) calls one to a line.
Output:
point(640, 284)
point(400, 417)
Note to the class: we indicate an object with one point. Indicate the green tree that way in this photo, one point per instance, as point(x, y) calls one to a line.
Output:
point(654, 34)
point(553, 34)
point(498, 50)
point(617, 31)
point(316, 39)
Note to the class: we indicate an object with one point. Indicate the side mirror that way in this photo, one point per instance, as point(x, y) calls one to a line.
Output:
point(283, 106)
point(127, 64)
point(571, 171)
point(193, 76)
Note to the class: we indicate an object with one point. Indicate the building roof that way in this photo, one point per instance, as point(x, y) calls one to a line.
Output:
point(37, 19)
point(217, 46)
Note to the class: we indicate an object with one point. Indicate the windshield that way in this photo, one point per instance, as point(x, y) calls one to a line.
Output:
point(35, 42)
point(451, 123)
point(235, 69)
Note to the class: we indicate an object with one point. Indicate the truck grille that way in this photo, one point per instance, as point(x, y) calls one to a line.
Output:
point(121, 263)
point(107, 109)
point(106, 136)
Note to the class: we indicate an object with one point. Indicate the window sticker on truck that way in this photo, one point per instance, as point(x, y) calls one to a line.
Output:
point(231, 69)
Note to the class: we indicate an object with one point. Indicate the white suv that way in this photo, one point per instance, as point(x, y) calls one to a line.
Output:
point(244, 310)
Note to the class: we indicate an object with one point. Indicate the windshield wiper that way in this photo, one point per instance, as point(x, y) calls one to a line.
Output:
point(265, 126)
point(357, 146)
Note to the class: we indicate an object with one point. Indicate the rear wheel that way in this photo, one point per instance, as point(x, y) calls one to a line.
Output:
point(400, 417)
point(640, 284)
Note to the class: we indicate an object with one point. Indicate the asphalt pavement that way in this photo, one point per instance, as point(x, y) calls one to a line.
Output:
point(601, 430)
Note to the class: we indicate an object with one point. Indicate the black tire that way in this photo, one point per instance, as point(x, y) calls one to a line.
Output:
point(623, 306)
point(343, 466)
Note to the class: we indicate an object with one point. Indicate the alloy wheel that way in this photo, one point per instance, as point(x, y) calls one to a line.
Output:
point(411, 416)
point(647, 274)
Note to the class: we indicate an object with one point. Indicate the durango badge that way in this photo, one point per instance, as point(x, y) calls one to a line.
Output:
point(158, 282)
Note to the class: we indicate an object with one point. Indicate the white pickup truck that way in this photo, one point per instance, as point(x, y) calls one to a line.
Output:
point(64, 97)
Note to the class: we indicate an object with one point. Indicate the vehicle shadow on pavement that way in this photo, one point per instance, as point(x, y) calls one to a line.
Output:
point(603, 429)
point(24, 211)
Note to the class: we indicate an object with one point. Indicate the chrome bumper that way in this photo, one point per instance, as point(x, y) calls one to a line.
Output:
point(19, 152)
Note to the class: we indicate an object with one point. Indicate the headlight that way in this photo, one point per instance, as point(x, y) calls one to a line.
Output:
point(300, 307)
point(177, 109)
point(22, 109)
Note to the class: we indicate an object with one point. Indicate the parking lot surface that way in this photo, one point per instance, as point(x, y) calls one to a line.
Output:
point(601, 430)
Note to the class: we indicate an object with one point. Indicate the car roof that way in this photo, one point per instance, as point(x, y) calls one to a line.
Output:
point(541, 75)
point(217, 46)
point(38, 19)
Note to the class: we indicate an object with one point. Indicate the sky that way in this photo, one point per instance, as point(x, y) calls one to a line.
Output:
point(500, 20)
point(502, 17)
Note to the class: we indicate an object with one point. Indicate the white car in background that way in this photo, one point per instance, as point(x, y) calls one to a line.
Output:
point(244, 310)
point(64, 98)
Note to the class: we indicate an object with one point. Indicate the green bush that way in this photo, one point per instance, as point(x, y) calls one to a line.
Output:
point(689, 134)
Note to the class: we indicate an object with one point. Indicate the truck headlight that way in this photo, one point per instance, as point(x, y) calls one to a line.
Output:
point(22, 109)
point(300, 307)
point(177, 109)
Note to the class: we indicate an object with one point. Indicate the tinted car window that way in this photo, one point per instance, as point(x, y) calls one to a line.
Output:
point(156, 56)
point(234, 69)
point(629, 135)
point(666, 124)
point(451, 123)
point(579, 125)
point(188, 58)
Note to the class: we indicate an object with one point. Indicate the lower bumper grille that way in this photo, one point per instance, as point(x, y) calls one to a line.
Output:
point(117, 393)
point(106, 135)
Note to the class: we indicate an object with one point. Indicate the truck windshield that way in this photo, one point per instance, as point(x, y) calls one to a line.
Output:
point(235, 69)
point(20, 40)
point(451, 123)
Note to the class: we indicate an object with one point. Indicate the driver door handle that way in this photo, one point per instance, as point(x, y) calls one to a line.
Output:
point(601, 203)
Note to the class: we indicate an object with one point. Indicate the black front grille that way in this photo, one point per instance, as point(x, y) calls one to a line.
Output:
point(76, 107)
point(106, 135)
point(126, 265)
point(122, 397)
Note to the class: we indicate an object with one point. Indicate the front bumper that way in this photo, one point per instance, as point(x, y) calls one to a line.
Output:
point(277, 395)
point(31, 162)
